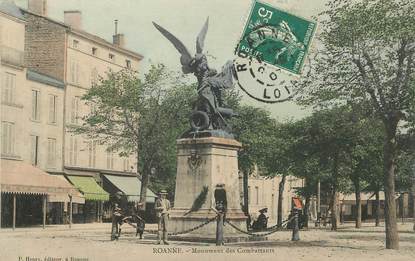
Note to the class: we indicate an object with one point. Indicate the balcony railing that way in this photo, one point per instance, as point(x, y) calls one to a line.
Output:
point(11, 56)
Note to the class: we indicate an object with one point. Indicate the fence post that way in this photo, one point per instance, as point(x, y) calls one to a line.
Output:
point(219, 229)
point(296, 230)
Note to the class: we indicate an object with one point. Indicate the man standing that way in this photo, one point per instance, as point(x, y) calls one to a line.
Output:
point(116, 201)
point(162, 207)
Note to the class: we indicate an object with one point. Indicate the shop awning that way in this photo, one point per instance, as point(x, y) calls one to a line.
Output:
point(89, 188)
point(77, 196)
point(23, 178)
point(131, 187)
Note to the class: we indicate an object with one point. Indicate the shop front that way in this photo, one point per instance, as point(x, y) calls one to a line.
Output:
point(129, 186)
point(30, 196)
point(94, 196)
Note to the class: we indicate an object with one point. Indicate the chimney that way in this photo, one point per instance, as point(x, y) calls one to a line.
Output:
point(38, 7)
point(118, 39)
point(73, 19)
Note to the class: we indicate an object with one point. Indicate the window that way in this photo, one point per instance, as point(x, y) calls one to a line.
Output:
point(74, 72)
point(110, 159)
point(51, 152)
point(75, 44)
point(35, 105)
point(128, 64)
point(126, 164)
point(7, 138)
point(34, 140)
point(94, 77)
point(92, 153)
point(94, 51)
point(111, 56)
point(73, 150)
point(75, 109)
point(257, 195)
point(9, 88)
point(53, 107)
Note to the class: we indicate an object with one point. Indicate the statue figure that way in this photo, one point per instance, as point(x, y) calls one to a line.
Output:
point(209, 114)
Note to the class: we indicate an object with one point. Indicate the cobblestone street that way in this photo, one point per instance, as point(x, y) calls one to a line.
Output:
point(91, 242)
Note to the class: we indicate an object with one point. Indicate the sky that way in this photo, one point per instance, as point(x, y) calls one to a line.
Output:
point(183, 18)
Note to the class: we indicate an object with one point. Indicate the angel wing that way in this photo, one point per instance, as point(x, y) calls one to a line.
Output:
point(200, 40)
point(185, 57)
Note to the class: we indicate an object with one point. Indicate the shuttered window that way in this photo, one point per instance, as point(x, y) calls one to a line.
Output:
point(34, 140)
point(53, 106)
point(92, 153)
point(73, 151)
point(7, 138)
point(35, 105)
point(126, 164)
point(74, 72)
point(51, 152)
point(75, 109)
point(9, 86)
point(110, 159)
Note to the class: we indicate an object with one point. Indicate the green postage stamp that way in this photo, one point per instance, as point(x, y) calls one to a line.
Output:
point(277, 37)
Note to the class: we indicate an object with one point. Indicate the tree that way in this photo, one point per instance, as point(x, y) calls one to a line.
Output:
point(252, 128)
point(278, 158)
point(365, 156)
point(127, 115)
point(367, 57)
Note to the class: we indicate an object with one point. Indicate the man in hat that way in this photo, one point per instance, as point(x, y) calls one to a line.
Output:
point(116, 202)
point(162, 207)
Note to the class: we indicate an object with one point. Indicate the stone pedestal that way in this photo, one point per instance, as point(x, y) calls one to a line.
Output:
point(206, 162)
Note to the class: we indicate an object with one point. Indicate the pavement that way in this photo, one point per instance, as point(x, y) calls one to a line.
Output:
point(91, 242)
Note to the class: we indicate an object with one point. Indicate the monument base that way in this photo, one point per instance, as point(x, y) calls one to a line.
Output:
point(202, 165)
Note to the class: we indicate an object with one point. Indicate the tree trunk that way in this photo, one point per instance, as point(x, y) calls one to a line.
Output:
point(280, 200)
point(334, 195)
point(307, 210)
point(377, 222)
point(358, 217)
point(392, 237)
point(144, 184)
point(318, 202)
point(413, 199)
point(334, 210)
point(246, 197)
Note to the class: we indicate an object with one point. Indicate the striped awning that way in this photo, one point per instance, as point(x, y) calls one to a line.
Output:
point(76, 196)
point(19, 177)
point(131, 187)
point(89, 188)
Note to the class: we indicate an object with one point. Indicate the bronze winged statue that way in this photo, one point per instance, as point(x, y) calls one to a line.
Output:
point(209, 113)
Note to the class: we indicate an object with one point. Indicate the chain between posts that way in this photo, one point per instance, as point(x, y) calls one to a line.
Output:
point(259, 234)
point(185, 231)
point(272, 230)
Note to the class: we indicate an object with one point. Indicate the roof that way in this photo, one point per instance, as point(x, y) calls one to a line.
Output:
point(10, 8)
point(89, 187)
point(45, 79)
point(89, 36)
point(23, 178)
point(98, 39)
point(131, 187)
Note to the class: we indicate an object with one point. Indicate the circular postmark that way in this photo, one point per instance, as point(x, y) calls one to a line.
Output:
point(261, 81)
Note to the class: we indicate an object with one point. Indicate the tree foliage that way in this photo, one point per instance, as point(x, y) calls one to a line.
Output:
point(366, 57)
point(138, 116)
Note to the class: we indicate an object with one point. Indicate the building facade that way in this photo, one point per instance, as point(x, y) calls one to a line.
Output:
point(46, 67)
point(263, 193)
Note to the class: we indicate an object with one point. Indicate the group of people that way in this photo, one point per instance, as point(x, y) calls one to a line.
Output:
point(122, 214)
